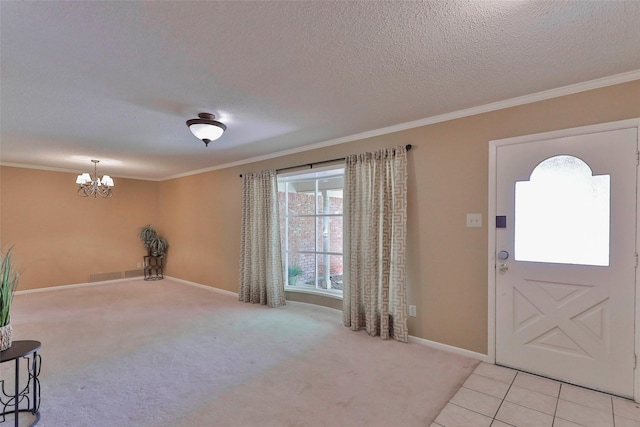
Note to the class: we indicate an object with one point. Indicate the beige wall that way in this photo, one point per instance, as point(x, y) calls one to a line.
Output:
point(200, 216)
point(448, 178)
point(61, 238)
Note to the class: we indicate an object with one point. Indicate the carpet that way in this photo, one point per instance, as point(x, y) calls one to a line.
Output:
point(164, 353)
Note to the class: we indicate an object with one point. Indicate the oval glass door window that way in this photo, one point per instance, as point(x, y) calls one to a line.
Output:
point(562, 214)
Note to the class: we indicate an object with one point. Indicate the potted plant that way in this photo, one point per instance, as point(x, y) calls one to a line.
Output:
point(294, 272)
point(8, 284)
point(155, 244)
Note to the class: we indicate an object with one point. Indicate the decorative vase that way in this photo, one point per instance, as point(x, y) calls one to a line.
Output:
point(5, 337)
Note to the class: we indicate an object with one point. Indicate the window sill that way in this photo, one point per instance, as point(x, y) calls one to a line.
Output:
point(319, 292)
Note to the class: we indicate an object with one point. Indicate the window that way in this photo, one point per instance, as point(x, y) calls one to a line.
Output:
point(562, 214)
point(311, 230)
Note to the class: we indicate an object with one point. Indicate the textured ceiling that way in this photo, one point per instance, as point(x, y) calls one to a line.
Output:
point(116, 81)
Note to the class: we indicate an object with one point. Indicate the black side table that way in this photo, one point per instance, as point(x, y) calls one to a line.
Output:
point(153, 267)
point(30, 393)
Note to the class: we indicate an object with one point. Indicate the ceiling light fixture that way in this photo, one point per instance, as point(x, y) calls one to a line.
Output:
point(206, 128)
point(94, 186)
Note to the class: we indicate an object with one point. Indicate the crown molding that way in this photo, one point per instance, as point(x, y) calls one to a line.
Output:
point(494, 106)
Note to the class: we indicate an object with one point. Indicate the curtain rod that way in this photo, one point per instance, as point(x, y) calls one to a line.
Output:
point(312, 164)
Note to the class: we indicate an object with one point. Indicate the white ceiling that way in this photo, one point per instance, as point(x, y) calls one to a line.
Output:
point(116, 81)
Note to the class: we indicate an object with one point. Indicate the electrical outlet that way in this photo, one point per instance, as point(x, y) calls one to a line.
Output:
point(474, 220)
point(412, 311)
point(139, 265)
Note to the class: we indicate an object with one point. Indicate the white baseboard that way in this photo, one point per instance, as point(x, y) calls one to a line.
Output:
point(201, 286)
point(128, 279)
point(451, 349)
point(73, 286)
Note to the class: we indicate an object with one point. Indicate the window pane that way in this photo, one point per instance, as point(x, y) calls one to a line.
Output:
point(302, 270)
point(335, 278)
point(562, 214)
point(308, 264)
point(330, 195)
point(302, 234)
point(324, 269)
point(302, 198)
point(295, 271)
point(330, 266)
point(330, 234)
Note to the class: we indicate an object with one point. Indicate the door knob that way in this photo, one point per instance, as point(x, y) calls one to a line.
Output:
point(503, 255)
point(503, 268)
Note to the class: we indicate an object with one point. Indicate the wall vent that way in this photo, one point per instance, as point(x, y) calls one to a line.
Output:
point(134, 273)
point(101, 277)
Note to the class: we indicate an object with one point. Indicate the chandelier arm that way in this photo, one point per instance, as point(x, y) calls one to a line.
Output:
point(102, 191)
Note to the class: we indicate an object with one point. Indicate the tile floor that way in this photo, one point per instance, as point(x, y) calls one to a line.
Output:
point(501, 397)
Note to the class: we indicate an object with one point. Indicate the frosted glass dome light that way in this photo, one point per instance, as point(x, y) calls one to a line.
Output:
point(206, 128)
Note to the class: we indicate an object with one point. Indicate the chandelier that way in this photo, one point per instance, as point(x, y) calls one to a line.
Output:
point(94, 186)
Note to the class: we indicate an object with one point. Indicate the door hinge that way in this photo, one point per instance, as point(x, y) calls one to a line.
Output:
point(637, 158)
point(636, 260)
point(635, 361)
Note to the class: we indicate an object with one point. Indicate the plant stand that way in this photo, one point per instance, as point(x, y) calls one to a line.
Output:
point(22, 397)
point(153, 267)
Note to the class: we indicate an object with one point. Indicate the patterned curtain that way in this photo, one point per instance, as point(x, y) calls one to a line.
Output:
point(261, 276)
point(375, 199)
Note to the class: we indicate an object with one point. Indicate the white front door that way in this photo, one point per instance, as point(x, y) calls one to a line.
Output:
point(565, 242)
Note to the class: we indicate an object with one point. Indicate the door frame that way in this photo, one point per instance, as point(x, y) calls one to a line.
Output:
point(491, 226)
